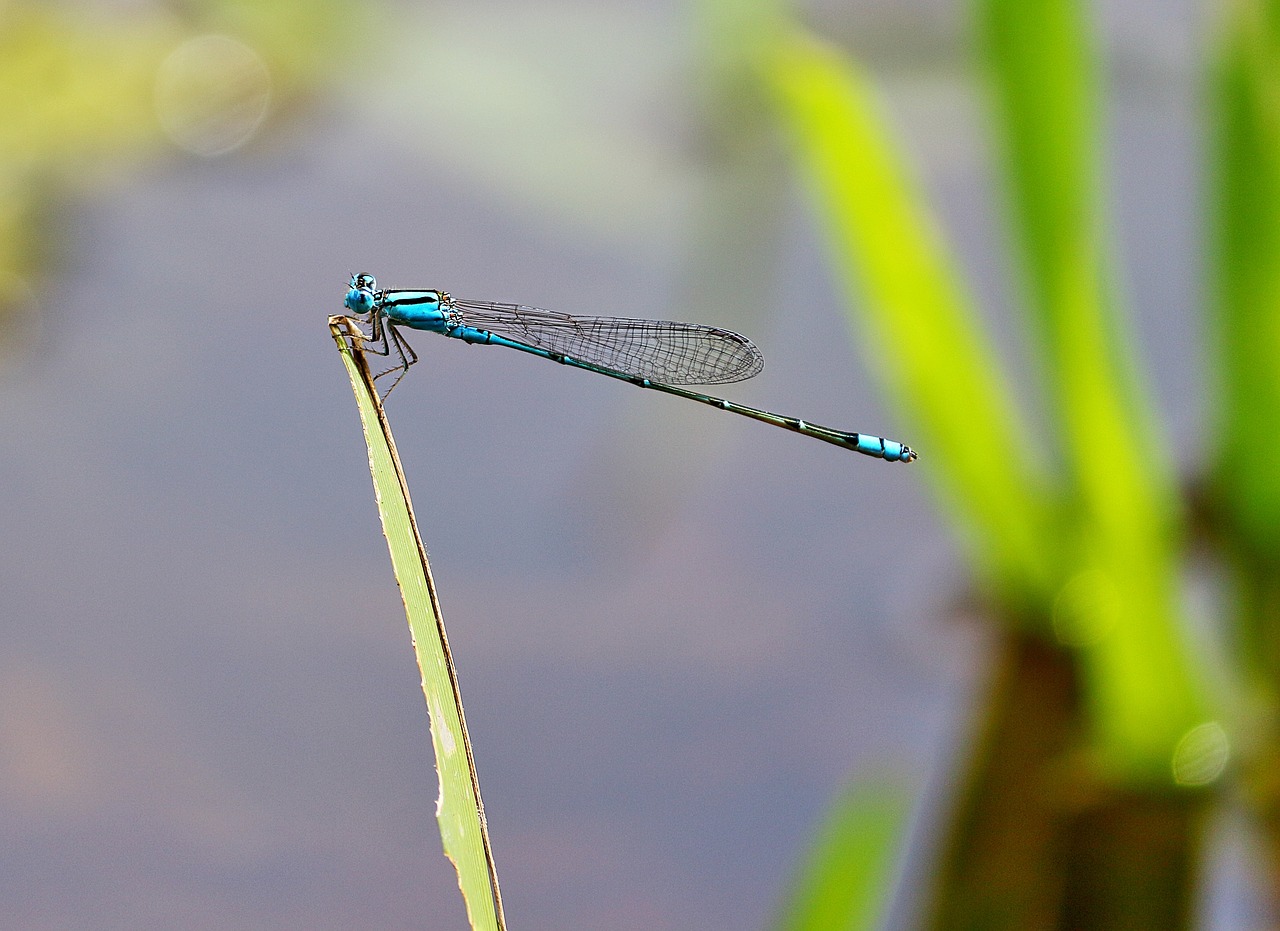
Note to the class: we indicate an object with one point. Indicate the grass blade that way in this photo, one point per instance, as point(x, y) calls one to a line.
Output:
point(458, 809)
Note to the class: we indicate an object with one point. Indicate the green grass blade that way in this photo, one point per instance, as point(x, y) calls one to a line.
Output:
point(845, 882)
point(1147, 692)
point(905, 292)
point(1247, 256)
point(458, 809)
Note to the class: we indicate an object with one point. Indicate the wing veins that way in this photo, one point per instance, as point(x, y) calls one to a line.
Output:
point(662, 350)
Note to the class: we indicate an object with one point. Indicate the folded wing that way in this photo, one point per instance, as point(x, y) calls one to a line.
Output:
point(661, 350)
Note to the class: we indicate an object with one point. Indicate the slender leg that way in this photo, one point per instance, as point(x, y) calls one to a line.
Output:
point(383, 333)
point(378, 333)
point(403, 350)
point(404, 347)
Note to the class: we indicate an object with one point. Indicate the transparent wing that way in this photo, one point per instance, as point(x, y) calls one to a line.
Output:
point(662, 350)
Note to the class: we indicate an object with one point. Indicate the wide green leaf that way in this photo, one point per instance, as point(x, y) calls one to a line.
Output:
point(1146, 688)
point(910, 308)
point(1247, 256)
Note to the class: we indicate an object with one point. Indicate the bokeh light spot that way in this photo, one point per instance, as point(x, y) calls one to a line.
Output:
point(212, 93)
point(1201, 755)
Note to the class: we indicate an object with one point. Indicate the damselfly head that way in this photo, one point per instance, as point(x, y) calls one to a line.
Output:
point(360, 294)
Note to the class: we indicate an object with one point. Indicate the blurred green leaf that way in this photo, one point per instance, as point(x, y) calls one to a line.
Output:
point(458, 807)
point(845, 882)
point(907, 295)
point(1146, 688)
point(1247, 265)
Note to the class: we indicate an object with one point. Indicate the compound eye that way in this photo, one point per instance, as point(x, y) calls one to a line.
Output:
point(364, 282)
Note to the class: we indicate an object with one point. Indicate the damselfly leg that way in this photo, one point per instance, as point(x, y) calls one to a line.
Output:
point(382, 338)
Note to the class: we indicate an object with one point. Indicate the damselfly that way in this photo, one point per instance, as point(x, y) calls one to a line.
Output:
point(658, 354)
